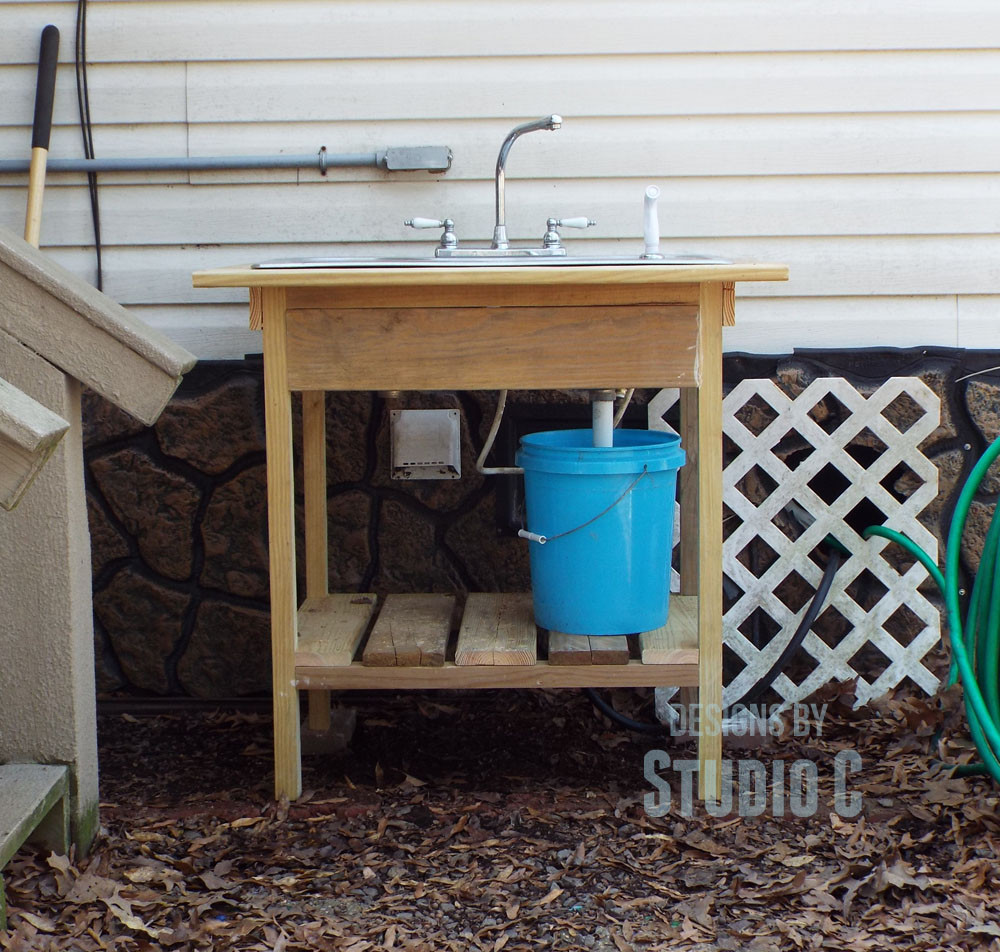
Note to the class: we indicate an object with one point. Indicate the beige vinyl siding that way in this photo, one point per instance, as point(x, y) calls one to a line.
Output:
point(380, 29)
point(856, 142)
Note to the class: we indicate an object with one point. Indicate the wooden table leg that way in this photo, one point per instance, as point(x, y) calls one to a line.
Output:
point(688, 486)
point(281, 535)
point(314, 489)
point(688, 543)
point(710, 541)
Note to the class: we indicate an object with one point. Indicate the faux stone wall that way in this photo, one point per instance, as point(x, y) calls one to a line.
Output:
point(178, 515)
point(179, 534)
point(178, 539)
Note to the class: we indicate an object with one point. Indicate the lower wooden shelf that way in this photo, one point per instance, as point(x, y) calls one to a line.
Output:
point(419, 642)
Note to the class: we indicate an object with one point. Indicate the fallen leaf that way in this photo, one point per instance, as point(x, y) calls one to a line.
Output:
point(553, 894)
point(619, 941)
point(40, 923)
point(703, 842)
point(122, 911)
point(90, 887)
point(461, 824)
point(212, 881)
point(796, 861)
point(59, 862)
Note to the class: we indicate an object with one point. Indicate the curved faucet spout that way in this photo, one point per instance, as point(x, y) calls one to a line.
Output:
point(545, 123)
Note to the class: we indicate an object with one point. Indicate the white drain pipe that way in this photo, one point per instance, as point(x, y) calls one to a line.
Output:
point(603, 403)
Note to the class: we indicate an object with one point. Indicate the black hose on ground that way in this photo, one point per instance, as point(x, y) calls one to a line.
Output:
point(758, 689)
point(753, 695)
point(640, 727)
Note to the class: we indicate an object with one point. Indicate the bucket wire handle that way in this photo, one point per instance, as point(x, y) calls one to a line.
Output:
point(541, 539)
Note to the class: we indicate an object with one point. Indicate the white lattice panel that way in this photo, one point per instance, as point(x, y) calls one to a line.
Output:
point(814, 457)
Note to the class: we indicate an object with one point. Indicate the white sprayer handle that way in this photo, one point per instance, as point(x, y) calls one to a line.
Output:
point(651, 221)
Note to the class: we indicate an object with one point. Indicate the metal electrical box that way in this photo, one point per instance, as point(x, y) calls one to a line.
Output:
point(426, 444)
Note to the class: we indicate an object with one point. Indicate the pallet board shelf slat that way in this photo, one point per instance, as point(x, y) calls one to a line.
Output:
point(587, 649)
point(331, 628)
point(498, 627)
point(497, 630)
point(677, 641)
point(411, 631)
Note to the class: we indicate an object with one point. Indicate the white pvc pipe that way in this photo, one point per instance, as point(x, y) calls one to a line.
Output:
point(604, 422)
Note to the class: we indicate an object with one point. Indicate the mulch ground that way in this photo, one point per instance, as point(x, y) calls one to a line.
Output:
point(515, 820)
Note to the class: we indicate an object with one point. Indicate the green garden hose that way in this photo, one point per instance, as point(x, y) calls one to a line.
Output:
point(976, 645)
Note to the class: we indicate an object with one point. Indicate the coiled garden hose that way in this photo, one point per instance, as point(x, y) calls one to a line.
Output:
point(975, 645)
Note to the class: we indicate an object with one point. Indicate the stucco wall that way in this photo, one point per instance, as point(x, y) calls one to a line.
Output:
point(47, 709)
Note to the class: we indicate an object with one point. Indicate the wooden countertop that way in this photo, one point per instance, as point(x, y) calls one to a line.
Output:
point(243, 276)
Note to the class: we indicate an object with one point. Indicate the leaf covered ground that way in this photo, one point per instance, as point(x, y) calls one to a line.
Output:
point(515, 820)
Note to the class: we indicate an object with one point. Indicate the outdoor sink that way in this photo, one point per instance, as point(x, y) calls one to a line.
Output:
point(530, 261)
point(551, 253)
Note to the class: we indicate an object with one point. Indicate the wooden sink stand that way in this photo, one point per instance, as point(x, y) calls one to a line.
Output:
point(524, 328)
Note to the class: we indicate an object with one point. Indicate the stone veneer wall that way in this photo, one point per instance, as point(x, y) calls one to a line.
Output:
point(178, 516)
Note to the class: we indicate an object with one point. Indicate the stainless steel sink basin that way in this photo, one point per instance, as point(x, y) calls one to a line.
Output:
point(513, 262)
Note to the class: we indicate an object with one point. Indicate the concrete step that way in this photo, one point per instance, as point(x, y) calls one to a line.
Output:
point(34, 807)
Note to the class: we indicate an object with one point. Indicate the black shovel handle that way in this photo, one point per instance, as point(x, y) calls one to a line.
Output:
point(48, 58)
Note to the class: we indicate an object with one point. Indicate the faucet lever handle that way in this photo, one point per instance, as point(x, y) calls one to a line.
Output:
point(551, 237)
point(448, 239)
point(424, 223)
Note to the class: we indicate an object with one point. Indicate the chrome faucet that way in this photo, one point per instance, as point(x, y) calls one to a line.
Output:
point(500, 247)
point(500, 230)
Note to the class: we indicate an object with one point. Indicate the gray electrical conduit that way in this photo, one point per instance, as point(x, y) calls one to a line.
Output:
point(416, 158)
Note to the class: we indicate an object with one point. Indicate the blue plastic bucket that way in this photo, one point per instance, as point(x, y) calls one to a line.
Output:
point(607, 515)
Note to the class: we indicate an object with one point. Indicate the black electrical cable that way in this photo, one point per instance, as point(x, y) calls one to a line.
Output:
point(640, 727)
point(751, 696)
point(795, 642)
point(87, 129)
